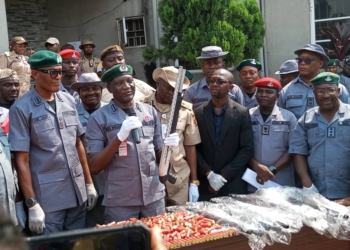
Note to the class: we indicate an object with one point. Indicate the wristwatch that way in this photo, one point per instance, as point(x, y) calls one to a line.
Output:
point(195, 182)
point(30, 201)
point(273, 169)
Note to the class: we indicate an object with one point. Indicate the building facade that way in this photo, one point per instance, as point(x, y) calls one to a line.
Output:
point(134, 24)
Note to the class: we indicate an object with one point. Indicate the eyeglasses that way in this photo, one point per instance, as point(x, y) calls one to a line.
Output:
point(321, 92)
point(307, 60)
point(218, 82)
point(53, 73)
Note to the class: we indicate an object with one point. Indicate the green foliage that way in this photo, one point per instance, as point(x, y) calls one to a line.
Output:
point(236, 26)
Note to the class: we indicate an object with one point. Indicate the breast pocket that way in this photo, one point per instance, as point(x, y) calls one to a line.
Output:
point(344, 135)
point(148, 132)
point(71, 127)
point(314, 136)
point(281, 133)
point(46, 134)
point(294, 103)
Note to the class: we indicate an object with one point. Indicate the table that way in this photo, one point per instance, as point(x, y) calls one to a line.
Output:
point(307, 238)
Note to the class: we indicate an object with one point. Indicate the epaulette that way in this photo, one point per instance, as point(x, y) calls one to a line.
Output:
point(186, 105)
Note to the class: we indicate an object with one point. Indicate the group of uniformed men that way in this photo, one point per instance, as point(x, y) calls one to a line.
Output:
point(78, 162)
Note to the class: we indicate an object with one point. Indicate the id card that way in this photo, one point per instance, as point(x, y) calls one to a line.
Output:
point(164, 129)
point(123, 149)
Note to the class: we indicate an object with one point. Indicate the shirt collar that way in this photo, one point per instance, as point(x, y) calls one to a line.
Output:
point(222, 110)
point(163, 108)
point(203, 83)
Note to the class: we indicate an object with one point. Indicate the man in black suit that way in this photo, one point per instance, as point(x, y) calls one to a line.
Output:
point(227, 140)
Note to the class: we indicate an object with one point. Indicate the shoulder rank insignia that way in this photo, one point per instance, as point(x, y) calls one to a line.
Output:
point(186, 105)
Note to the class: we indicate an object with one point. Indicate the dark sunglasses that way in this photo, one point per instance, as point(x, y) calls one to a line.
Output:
point(306, 60)
point(53, 73)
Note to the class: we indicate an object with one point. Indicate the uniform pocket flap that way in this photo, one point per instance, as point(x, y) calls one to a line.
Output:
point(43, 126)
point(148, 131)
point(70, 120)
point(280, 128)
point(344, 173)
point(51, 177)
point(120, 174)
point(294, 103)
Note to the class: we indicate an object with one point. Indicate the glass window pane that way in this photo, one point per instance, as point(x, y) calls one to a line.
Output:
point(140, 33)
point(131, 41)
point(331, 8)
point(143, 41)
point(344, 24)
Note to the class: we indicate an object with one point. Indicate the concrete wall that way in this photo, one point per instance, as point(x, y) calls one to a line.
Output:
point(4, 43)
point(287, 29)
point(28, 18)
point(67, 22)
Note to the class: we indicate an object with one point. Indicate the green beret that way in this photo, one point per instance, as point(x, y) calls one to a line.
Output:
point(249, 62)
point(333, 62)
point(189, 75)
point(44, 58)
point(115, 71)
point(326, 78)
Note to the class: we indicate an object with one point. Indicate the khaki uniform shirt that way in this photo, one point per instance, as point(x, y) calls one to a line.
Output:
point(187, 130)
point(142, 90)
point(88, 66)
point(19, 64)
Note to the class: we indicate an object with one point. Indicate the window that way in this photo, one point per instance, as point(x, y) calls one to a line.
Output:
point(131, 32)
point(327, 14)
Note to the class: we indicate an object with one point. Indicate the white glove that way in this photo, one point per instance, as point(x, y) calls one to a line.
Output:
point(21, 215)
point(128, 124)
point(92, 196)
point(172, 140)
point(193, 193)
point(216, 181)
point(36, 219)
point(312, 188)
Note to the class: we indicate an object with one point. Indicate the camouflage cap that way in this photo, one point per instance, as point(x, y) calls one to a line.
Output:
point(86, 43)
point(18, 40)
point(8, 73)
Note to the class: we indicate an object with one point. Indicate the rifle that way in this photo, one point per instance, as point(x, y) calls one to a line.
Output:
point(164, 174)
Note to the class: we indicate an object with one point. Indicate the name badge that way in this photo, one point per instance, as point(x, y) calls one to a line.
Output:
point(331, 132)
point(60, 122)
point(310, 101)
point(123, 149)
point(266, 130)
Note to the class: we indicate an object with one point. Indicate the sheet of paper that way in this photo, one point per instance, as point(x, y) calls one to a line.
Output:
point(250, 177)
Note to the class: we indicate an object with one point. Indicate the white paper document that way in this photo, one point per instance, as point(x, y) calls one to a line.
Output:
point(250, 177)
